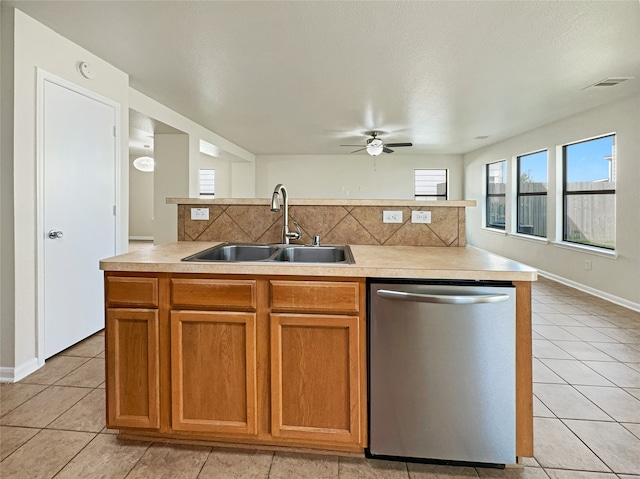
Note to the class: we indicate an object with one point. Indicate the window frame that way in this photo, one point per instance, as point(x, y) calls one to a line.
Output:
point(566, 193)
point(495, 195)
point(530, 194)
point(431, 197)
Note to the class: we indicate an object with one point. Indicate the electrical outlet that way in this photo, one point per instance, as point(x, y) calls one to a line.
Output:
point(587, 264)
point(199, 213)
point(421, 216)
point(392, 216)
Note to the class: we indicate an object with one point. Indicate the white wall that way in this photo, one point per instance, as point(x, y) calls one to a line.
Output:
point(243, 180)
point(171, 176)
point(223, 174)
point(141, 192)
point(36, 46)
point(618, 277)
point(241, 186)
point(352, 176)
point(7, 261)
point(140, 202)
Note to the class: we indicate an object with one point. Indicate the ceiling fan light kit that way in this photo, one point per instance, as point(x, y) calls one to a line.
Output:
point(376, 146)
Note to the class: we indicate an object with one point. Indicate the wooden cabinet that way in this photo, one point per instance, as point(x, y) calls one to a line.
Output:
point(256, 360)
point(132, 354)
point(213, 371)
point(209, 293)
point(315, 377)
point(315, 296)
point(317, 360)
point(213, 355)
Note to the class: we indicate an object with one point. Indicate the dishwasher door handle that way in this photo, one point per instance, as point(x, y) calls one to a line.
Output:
point(442, 298)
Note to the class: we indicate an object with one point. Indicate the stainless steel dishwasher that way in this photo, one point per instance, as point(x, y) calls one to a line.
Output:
point(442, 371)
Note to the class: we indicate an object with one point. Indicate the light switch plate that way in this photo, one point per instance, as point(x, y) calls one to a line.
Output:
point(199, 213)
point(421, 216)
point(392, 216)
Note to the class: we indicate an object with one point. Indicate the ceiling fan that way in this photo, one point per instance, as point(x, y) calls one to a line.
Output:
point(375, 145)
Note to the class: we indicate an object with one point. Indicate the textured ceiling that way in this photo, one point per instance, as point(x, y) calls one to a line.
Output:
point(302, 77)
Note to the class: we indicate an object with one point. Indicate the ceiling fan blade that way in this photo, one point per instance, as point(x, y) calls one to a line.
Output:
point(394, 145)
point(387, 150)
point(356, 151)
point(362, 146)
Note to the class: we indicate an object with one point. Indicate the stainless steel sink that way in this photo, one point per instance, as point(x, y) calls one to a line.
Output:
point(235, 252)
point(281, 253)
point(315, 254)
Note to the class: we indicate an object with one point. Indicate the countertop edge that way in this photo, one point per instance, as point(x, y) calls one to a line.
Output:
point(322, 202)
point(326, 272)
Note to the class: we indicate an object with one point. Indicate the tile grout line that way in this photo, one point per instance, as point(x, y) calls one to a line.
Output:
point(138, 460)
point(74, 456)
point(204, 463)
point(585, 444)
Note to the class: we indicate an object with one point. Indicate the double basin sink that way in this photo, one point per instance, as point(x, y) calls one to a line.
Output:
point(284, 253)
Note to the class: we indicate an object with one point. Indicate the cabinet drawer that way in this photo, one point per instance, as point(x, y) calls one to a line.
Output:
point(129, 291)
point(213, 293)
point(315, 296)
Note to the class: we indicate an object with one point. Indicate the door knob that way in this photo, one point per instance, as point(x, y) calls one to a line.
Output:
point(53, 234)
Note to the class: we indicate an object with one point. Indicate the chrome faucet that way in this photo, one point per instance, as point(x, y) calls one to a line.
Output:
point(275, 206)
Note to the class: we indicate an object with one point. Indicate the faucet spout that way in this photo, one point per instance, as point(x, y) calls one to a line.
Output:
point(275, 201)
point(287, 234)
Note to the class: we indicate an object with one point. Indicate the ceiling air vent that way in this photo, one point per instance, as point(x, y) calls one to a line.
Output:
point(613, 81)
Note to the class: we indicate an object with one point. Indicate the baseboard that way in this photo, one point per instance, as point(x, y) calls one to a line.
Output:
point(6, 375)
point(140, 238)
point(12, 375)
point(595, 292)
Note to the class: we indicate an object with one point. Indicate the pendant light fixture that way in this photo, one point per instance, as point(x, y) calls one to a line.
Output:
point(144, 163)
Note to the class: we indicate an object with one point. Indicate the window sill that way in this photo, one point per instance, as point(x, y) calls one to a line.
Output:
point(495, 231)
point(611, 254)
point(534, 239)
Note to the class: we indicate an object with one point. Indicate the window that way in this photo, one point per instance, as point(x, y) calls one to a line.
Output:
point(589, 192)
point(207, 182)
point(496, 176)
point(532, 194)
point(431, 184)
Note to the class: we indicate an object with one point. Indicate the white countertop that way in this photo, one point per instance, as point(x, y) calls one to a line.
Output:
point(416, 262)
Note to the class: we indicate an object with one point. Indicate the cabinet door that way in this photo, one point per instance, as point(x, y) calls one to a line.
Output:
point(315, 378)
point(213, 371)
point(132, 365)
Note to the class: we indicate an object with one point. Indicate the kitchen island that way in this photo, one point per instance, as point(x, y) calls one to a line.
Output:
point(265, 354)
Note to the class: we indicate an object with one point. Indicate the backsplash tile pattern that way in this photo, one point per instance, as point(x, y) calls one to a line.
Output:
point(334, 225)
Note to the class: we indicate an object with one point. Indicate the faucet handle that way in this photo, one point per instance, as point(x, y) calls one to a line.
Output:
point(316, 240)
point(292, 234)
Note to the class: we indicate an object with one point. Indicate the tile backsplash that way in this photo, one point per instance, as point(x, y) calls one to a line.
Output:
point(334, 224)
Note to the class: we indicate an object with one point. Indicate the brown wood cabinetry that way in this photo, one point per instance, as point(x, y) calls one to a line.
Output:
point(254, 360)
point(317, 360)
point(133, 395)
point(213, 371)
point(315, 377)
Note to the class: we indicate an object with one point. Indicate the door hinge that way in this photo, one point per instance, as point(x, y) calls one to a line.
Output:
point(114, 210)
point(114, 130)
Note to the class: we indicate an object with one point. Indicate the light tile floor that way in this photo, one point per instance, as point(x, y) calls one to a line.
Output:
point(587, 414)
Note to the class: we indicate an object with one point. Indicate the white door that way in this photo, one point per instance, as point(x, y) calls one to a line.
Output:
point(79, 197)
